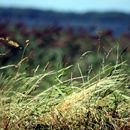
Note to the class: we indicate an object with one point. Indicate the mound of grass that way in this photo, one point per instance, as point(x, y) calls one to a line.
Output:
point(100, 103)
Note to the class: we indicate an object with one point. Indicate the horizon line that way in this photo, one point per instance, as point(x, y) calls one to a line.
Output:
point(69, 11)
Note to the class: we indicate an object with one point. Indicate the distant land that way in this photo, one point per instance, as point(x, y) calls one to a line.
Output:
point(118, 22)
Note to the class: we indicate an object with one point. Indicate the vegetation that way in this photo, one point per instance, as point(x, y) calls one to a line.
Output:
point(62, 47)
point(101, 102)
point(44, 91)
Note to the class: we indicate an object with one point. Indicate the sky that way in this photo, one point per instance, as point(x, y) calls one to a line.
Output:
point(70, 5)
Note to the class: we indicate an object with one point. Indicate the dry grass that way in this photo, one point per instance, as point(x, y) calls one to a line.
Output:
point(102, 103)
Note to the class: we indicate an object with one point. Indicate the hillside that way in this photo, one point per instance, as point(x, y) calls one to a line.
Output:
point(116, 21)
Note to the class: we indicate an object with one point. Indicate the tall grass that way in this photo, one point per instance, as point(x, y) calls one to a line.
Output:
point(100, 103)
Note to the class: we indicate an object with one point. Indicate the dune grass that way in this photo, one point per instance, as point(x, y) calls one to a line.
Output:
point(100, 103)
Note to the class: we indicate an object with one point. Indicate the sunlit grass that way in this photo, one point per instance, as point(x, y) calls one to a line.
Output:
point(102, 102)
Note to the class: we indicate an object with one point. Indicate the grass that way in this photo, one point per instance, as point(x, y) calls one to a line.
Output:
point(39, 99)
point(101, 102)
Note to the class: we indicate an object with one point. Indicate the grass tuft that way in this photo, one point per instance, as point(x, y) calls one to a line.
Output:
point(100, 103)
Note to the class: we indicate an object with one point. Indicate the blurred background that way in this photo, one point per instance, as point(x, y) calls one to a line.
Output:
point(65, 32)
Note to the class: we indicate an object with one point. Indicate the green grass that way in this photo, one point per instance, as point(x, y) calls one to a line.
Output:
point(101, 102)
